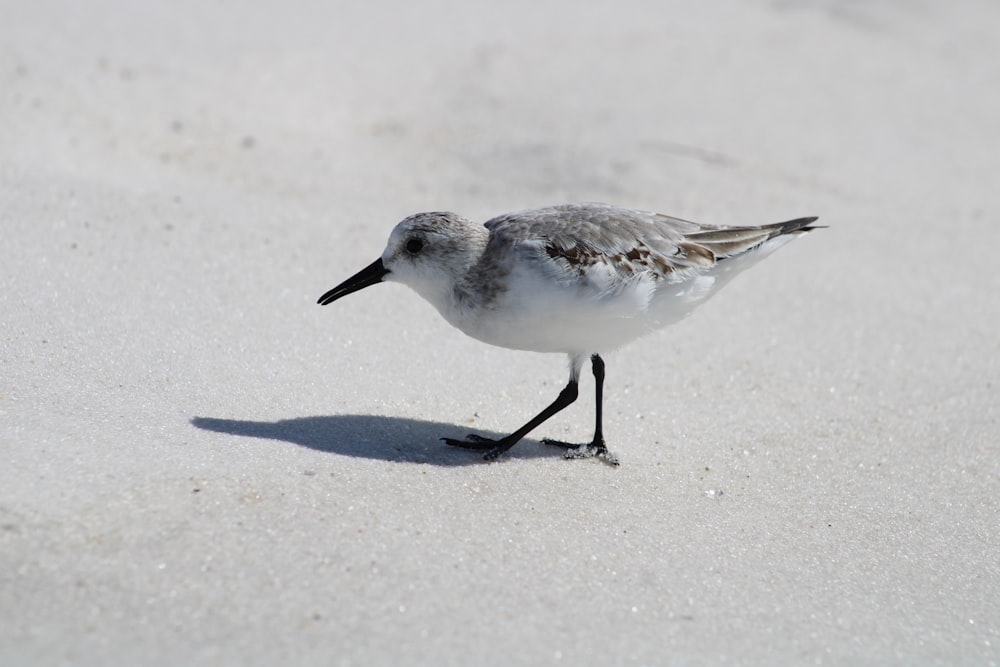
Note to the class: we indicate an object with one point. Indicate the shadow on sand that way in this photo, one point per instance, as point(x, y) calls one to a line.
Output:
point(371, 437)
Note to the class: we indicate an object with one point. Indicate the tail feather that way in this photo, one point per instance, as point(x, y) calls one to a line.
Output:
point(796, 225)
point(727, 242)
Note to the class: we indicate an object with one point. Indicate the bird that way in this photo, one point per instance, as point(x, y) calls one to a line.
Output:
point(578, 279)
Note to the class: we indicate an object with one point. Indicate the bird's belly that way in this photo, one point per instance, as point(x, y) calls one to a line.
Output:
point(550, 319)
point(554, 331)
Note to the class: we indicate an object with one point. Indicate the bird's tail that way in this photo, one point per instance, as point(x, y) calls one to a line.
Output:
point(796, 225)
point(731, 241)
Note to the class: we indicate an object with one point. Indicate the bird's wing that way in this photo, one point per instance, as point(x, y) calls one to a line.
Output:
point(628, 242)
point(611, 245)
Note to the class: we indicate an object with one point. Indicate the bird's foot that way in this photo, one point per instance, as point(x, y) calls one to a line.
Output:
point(493, 448)
point(597, 448)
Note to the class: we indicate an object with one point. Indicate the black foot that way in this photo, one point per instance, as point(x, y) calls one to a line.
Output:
point(493, 448)
point(584, 451)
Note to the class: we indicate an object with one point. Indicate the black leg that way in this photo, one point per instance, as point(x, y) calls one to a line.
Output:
point(597, 365)
point(596, 447)
point(495, 448)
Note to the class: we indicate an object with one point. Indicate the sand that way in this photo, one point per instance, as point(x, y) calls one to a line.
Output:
point(202, 466)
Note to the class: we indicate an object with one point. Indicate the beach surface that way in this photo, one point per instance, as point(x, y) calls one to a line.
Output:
point(204, 467)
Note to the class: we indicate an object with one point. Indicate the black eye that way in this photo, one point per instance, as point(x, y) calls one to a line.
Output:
point(414, 246)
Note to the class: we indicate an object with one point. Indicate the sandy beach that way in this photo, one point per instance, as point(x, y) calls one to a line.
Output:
point(204, 467)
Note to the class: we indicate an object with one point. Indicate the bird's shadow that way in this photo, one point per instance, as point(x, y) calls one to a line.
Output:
point(370, 436)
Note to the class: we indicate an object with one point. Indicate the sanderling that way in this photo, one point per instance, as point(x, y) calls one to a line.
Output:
point(580, 279)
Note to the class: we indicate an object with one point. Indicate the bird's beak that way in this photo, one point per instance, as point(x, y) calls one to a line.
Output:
point(371, 274)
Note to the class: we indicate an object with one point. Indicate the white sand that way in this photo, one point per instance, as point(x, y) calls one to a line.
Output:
point(201, 466)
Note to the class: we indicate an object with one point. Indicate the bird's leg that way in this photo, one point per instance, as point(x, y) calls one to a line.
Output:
point(596, 447)
point(495, 448)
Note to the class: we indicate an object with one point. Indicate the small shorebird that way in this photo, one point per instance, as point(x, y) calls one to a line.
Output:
point(579, 279)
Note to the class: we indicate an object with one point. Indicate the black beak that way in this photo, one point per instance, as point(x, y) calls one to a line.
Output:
point(371, 274)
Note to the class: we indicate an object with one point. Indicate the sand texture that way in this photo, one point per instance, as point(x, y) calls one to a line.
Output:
point(203, 467)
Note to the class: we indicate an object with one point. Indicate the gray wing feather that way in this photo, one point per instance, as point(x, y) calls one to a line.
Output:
point(630, 240)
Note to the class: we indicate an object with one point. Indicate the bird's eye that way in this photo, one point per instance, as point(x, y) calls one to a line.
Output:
point(414, 246)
